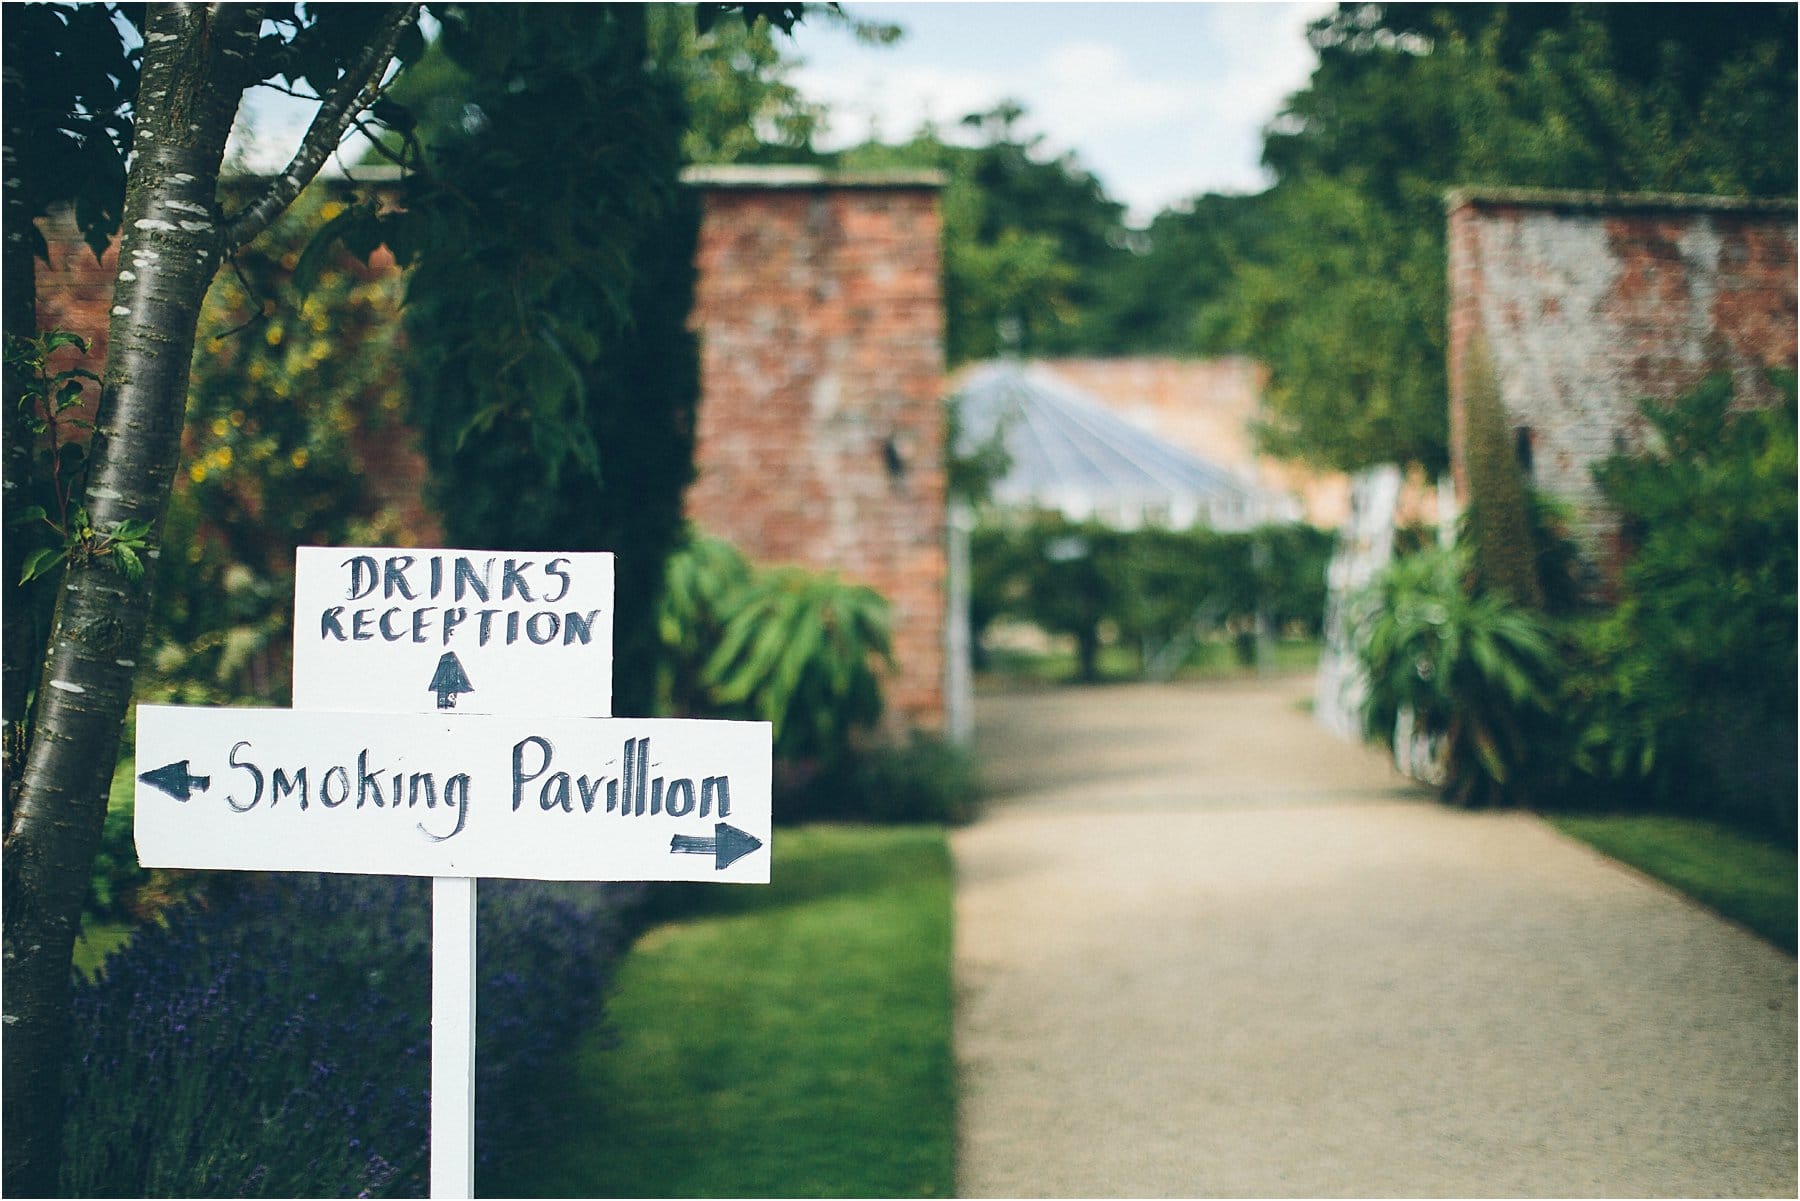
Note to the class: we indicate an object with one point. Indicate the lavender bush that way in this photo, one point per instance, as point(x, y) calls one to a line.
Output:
point(276, 1042)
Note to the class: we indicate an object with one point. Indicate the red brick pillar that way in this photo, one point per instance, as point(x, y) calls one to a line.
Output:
point(820, 432)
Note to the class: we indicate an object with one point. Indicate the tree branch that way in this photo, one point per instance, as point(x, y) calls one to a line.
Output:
point(357, 90)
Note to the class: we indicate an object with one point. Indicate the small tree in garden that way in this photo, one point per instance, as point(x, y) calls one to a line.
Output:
point(131, 132)
point(195, 64)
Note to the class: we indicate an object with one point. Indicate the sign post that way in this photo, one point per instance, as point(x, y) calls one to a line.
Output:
point(452, 719)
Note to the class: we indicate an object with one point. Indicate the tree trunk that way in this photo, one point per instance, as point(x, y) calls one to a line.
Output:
point(194, 70)
point(21, 646)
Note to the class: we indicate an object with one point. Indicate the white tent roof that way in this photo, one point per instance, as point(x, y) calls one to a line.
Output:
point(1070, 453)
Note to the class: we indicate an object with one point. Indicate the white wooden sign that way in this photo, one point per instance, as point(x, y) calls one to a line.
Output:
point(535, 798)
point(451, 719)
point(387, 630)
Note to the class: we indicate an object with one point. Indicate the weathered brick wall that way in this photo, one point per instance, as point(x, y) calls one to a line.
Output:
point(75, 289)
point(820, 432)
point(1589, 303)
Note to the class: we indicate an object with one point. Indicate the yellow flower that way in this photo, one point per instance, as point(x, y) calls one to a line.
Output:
point(219, 427)
point(221, 458)
point(299, 458)
point(197, 473)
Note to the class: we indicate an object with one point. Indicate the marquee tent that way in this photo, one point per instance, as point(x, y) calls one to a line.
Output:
point(1071, 454)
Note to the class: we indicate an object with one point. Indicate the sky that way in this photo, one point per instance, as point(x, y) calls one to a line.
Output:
point(1161, 101)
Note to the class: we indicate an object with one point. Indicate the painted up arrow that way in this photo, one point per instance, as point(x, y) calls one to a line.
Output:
point(174, 779)
point(449, 680)
point(727, 845)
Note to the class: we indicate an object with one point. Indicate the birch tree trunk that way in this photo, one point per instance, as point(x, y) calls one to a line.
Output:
point(19, 649)
point(195, 67)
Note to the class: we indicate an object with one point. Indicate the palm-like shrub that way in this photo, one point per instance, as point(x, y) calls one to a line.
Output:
point(799, 649)
point(1473, 670)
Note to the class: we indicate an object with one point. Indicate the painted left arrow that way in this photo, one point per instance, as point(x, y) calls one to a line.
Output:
point(727, 845)
point(176, 780)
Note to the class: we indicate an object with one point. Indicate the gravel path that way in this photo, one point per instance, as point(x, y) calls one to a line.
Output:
point(1204, 949)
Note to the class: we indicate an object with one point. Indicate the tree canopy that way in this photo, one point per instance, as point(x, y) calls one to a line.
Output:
point(555, 117)
point(1028, 239)
point(1335, 276)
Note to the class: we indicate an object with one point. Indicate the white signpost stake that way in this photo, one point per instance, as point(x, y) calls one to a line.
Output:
point(385, 581)
point(453, 1036)
point(530, 778)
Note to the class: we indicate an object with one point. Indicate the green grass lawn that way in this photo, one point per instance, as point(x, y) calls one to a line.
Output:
point(96, 941)
point(783, 1041)
point(1746, 879)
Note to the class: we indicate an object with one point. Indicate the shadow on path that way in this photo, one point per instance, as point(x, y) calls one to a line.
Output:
point(1205, 949)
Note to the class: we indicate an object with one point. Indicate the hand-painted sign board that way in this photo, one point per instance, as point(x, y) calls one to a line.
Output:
point(429, 794)
point(385, 630)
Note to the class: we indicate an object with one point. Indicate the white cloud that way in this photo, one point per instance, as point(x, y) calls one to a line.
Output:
point(1156, 126)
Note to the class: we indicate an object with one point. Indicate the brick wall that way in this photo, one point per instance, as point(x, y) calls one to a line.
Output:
point(1589, 303)
point(820, 432)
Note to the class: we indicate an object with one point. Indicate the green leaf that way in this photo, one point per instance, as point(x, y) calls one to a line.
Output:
point(354, 226)
point(29, 514)
point(393, 115)
point(40, 561)
point(56, 339)
point(130, 566)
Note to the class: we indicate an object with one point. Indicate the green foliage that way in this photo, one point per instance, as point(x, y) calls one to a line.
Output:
point(929, 779)
point(115, 878)
point(1473, 670)
point(1334, 278)
point(798, 649)
point(552, 373)
point(1499, 514)
point(1746, 878)
point(1686, 688)
point(702, 582)
point(1347, 313)
point(735, 78)
point(835, 1075)
point(1172, 292)
point(1026, 240)
point(285, 394)
point(69, 129)
point(51, 403)
point(1152, 589)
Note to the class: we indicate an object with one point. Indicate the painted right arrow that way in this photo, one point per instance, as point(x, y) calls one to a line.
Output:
point(175, 779)
point(727, 845)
